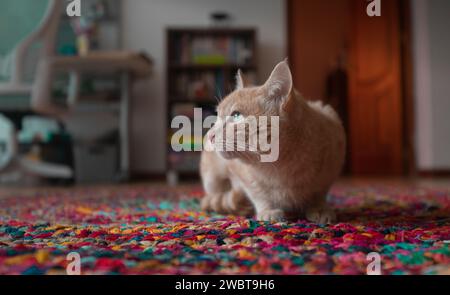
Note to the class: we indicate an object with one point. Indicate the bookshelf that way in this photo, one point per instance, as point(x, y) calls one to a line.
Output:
point(201, 68)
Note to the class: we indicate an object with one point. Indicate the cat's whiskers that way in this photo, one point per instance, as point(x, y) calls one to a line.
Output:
point(246, 153)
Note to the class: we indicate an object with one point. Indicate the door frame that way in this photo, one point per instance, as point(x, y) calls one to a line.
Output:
point(409, 149)
point(406, 68)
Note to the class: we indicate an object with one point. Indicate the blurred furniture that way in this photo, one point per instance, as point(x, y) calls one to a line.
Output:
point(31, 69)
point(28, 30)
point(201, 69)
point(7, 142)
point(104, 15)
point(127, 65)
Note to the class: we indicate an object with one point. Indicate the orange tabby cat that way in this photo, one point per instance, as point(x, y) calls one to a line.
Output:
point(311, 153)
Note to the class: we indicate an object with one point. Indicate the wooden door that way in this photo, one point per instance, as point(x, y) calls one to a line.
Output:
point(375, 90)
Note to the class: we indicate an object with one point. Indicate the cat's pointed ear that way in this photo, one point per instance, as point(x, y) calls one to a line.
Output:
point(240, 83)
point(279, 85)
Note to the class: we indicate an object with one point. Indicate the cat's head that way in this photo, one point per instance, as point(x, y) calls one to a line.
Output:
point(239, 115)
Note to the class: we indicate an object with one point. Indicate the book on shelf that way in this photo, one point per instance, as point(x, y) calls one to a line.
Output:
point(188, 144)
point(207, 86)
point(201, 86)
point(213, 50)
point(187, 109)
point(202, 66)
point(197, 86)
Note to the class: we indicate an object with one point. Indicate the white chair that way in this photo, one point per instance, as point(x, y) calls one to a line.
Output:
point(28, 32)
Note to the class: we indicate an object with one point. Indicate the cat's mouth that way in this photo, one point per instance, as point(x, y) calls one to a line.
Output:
point(229, 147)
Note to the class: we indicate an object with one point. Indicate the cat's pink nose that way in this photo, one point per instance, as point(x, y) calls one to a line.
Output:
point(212, 137)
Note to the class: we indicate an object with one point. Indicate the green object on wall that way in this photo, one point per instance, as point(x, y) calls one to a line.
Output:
point(66, 39)
point(18, 18)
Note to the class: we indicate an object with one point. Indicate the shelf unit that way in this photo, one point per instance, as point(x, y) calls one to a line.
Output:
point(201, 68)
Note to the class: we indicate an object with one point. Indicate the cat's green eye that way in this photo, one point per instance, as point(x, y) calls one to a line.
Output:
point(236, 116)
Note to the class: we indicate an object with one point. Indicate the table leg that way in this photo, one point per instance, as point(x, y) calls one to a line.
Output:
point(124, 125)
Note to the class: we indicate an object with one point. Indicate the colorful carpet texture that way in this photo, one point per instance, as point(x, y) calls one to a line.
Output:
point(157, 230)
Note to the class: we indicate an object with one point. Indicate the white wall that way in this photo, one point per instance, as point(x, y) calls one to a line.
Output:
point(431, 54)
point(144, 28)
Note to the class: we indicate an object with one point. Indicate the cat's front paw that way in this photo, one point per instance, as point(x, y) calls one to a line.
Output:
point(210, 203)
point(273, 215)
point(321, 216)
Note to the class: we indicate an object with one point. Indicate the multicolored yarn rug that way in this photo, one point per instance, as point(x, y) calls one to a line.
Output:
point(158, 230)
